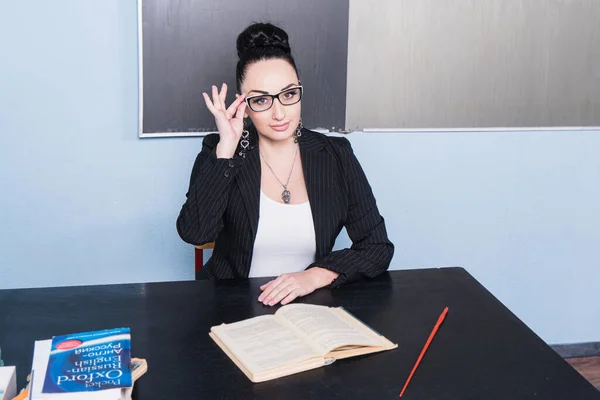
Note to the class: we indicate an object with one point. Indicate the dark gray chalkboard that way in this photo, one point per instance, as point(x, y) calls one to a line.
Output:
point(186, 46)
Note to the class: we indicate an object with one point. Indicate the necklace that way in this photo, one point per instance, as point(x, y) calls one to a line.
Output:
point(286, 196)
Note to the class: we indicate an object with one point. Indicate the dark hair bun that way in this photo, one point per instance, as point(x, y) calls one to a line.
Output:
point(262, 35)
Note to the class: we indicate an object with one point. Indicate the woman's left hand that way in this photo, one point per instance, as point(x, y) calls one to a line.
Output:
point(287, 287)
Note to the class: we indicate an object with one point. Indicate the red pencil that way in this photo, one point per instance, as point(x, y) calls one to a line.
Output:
point(433, 332)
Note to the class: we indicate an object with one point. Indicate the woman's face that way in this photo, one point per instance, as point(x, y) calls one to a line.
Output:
point(272, 77)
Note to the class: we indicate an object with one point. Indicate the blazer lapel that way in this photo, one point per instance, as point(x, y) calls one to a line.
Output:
point(316, 163)
point(248, 180)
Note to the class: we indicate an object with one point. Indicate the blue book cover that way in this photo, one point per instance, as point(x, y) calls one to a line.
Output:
point(89, 361)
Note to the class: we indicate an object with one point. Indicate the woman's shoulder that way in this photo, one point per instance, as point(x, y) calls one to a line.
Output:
point(211, 140)
point(335, 143)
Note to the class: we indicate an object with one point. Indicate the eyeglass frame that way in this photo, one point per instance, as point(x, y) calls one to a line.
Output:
point(275, 96)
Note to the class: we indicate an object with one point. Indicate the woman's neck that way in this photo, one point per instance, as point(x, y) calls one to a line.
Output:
point(277, 148)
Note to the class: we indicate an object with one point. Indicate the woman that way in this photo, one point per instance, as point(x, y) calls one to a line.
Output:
point(273, 195)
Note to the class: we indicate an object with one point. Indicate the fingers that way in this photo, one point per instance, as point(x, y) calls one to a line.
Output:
point(287, 287)
point(263, 287)
point(235, 105)
point(209, 104)
point(219, 99)
point(216, 98)
point(282, 294)
point(278, 293)
point(241, 110)
point(223, 94)
point(290, 297)
point(266, 288)
point(272, 288)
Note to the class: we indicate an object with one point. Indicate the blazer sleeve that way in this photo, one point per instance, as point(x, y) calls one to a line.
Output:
point(201, 217)
point(371, 251)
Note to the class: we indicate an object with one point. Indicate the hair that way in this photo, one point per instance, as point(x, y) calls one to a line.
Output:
point(261, 41)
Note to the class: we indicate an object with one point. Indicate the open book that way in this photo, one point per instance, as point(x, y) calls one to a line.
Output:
point(297, 338)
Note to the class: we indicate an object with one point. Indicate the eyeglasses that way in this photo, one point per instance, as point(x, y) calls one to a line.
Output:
point(287, 97)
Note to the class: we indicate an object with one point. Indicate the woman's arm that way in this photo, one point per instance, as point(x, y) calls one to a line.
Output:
point(371, 251)
point(201, 217)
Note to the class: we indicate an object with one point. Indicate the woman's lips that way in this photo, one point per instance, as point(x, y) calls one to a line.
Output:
point(280, 128)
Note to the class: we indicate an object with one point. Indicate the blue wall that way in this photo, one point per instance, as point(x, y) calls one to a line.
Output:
point(84, 201)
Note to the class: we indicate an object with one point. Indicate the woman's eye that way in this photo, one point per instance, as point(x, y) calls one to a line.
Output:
point(290, 94)
point(259, 101)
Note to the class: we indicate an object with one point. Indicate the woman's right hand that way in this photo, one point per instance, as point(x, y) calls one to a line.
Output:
point(230, 121)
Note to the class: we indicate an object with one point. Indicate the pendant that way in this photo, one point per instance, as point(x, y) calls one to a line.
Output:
point(286, 196)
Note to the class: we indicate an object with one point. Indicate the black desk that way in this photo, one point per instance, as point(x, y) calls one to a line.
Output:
point(482, 350)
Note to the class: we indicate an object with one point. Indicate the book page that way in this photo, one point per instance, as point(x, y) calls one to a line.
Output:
point(264, 343)
point(325, 328)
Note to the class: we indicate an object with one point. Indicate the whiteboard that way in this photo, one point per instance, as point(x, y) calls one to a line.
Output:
point(464, 64)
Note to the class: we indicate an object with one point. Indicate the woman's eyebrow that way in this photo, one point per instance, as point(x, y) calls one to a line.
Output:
point(263, 92)
point(289, 86)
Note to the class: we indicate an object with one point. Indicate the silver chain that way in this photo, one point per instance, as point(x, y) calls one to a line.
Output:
point(275, 175)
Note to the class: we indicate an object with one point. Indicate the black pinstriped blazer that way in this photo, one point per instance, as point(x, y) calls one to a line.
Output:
point(223, 206)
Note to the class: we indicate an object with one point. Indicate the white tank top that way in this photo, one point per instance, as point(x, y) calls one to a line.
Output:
point(285, 238)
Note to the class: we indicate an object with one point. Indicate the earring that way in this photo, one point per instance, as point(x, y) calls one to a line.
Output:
point(244, 142)
point(298, 132)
